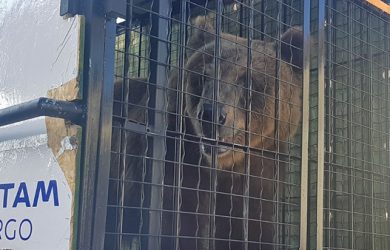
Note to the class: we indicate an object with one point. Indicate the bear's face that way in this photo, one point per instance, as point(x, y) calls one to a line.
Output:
point(239, 109)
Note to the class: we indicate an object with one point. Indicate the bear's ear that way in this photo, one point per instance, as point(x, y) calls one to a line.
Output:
point(292, 46)
point(202, 33)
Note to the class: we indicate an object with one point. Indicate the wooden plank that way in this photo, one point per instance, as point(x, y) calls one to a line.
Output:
point(380, 5)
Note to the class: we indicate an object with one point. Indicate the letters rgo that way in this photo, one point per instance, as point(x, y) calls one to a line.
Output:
point(15, 195)
point(42, 192)
point(15, 230)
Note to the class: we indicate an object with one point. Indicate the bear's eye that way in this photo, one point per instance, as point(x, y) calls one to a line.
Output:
point(242, 101)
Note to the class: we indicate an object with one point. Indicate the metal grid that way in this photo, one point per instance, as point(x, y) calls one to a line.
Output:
point(353, 204)
point(206, 144)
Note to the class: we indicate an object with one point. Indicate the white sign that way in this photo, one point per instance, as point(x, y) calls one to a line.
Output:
point(35, 198)
point(39, 51)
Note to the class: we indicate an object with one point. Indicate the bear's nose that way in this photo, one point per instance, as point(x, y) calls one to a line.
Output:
point(208, 113)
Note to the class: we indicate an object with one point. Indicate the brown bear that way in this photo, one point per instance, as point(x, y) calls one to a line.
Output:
point(245, 141)
point(234, 125)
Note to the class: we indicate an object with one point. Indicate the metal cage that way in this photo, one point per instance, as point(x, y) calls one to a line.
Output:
point(348, 153)
point(167, 187)
point(357, 127)
point(248, 124)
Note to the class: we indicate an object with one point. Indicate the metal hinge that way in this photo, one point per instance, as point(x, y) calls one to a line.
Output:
point(113, 8)
point(70, 8)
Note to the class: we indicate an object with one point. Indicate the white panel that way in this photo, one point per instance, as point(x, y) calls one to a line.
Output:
point(38, 51)
point(28, 219)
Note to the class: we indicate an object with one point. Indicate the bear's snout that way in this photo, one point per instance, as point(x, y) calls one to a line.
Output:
point(208, 113)
point(207, 117)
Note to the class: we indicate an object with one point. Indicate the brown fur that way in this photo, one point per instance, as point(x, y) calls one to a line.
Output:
point(233, 77)
point(198, 85)
point(263, 168)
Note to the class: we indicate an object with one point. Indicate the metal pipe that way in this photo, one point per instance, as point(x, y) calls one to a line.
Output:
point(305, 127)
point(73, 111)
point(157, 100)
point(321, 124)
point(248, 123)
point(124, 113)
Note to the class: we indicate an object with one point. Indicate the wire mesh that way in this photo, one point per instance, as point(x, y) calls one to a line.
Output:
point(356, 128)
point(206, 141)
